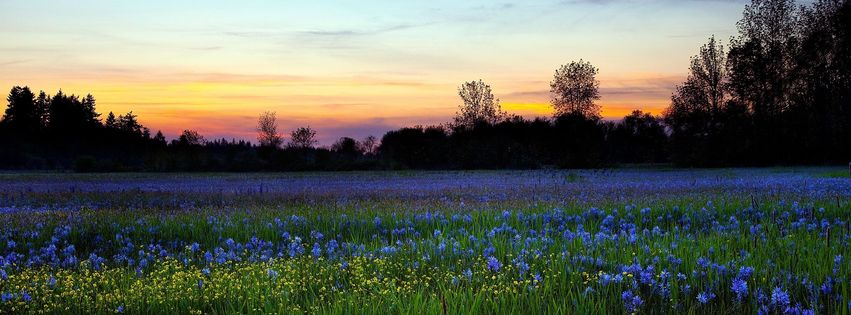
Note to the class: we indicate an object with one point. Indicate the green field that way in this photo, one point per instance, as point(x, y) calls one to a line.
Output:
point(522, 242)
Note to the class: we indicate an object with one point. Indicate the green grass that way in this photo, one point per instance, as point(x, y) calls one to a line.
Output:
point(692, 223)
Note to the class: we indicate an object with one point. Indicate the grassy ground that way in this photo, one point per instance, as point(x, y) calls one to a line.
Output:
point(618, 241)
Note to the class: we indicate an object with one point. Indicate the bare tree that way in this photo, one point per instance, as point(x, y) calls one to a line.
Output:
point(267, 130)
point(190, 138)
point(303, 138)
point(369, 145)
point(575, 88)
point(478, 105)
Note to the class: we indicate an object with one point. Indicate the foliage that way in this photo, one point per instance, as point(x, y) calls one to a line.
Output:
point(478, 105)
point(303, 138)
point(574, 89)
point(680, 242)
point(267, 130)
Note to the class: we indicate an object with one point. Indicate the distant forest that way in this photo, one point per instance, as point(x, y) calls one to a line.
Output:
point(779, 93)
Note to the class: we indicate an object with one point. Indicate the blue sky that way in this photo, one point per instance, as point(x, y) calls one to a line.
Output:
point(346, 67)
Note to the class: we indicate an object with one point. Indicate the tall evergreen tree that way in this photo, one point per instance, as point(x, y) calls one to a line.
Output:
point(22, 113)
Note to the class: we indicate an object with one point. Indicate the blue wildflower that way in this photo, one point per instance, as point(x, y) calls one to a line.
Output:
point(317, 251)
point(493, 264)
point(631, 302)
point(468, 273)
point(705, 297)
point(780, 298)
point(740, 288)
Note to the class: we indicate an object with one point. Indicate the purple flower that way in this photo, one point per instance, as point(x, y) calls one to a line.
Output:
point(468, 273)
point(631, 302)
point(493, 264)
point(740, 288)
point(745, 272)
point(705, 297)
point(317, 251)
point(780, 298)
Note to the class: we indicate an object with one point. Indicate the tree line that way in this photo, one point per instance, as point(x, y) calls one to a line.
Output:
point(778, 94)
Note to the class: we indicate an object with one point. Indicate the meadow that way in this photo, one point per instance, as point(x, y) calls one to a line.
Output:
point(767, 241)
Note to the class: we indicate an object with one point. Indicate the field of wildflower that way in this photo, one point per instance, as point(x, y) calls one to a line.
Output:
point(768, 241)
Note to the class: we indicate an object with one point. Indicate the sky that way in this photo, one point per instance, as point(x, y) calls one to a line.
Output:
point(347, 68)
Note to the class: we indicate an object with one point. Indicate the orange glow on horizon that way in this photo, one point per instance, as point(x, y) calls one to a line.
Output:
point(226, 105)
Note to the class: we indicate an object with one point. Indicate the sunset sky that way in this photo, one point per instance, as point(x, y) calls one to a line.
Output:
point(350, 68)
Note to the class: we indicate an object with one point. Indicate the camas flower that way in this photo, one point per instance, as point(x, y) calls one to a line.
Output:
point(705, 297)
point(740, 288)
point(631, 302)
point(780, 298)
point(493, 264)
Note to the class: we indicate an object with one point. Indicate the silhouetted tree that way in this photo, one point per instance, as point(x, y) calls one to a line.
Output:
point(69, 114)
point(638, 138)
point(761, 76)
point(574, 89)
point(347, 147)
point(267, 130)
point(111, 121)
point(42, 106)
point(22, 113)
point(190, 138)
point(695, 113)
point(90, 114)
point(578, 141)
point(159, 138)
point(369, 145)
point(819, 119)
point(477, 105)
point(416, 147)
point(303, 138)
point(128, 123)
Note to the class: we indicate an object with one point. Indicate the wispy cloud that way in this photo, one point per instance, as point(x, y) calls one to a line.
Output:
point(14, 62)
point(363, 32)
